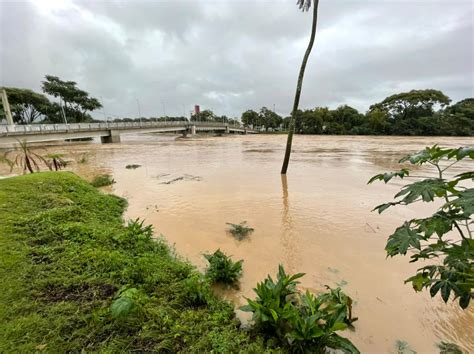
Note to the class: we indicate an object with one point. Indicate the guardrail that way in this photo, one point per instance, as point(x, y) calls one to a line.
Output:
point(77, 127)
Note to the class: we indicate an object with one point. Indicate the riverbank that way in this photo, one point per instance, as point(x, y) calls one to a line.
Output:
point(76, 278)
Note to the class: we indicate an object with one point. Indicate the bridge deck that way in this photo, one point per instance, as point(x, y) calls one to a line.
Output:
point(47, 132)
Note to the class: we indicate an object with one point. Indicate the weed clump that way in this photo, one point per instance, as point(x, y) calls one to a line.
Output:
point(102, 180)
point(132, 166)
point(240, 231)
point(222, 269)
point(303, 323)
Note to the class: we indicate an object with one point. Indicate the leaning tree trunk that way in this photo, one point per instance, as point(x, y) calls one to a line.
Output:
point(296, 102)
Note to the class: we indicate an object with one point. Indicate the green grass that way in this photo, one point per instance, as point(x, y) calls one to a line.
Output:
point(67, 256)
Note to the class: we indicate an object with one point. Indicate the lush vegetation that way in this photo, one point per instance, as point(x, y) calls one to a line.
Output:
point(240, 231)
point(451, 270)
point(302, 322)
point(77, 279)
point(222, 269)
point(102, 180)
point(418, 112)
point(29, 107)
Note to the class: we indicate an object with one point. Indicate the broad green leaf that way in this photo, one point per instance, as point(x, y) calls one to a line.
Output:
point(382, 207)
point(335, 341)
point(427, 189)
point(402, 239)
point(386, 177)
point(121, 307)
point(435, 288)
point(418, 281)
point(464, 300)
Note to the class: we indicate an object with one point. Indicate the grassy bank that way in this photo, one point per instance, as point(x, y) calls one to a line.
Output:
point(76, 277)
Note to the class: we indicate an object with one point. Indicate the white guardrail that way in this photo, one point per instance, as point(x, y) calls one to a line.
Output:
point(47, 128)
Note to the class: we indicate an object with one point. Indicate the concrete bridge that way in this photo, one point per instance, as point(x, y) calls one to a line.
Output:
point(109, 132)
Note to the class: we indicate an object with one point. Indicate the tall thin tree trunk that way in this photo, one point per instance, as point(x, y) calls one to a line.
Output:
point(296, 102)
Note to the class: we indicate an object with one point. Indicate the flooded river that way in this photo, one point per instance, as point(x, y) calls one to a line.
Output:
point(318, 220)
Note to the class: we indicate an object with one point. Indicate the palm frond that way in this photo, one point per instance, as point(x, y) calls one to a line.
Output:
point(303, 5)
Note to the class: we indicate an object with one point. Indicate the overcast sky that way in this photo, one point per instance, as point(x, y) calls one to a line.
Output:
point(235, 55)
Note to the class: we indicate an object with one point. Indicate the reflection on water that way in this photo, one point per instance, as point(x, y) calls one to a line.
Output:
point(318, 221)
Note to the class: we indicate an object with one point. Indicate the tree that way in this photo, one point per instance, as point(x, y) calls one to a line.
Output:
point(76, 101)
point(413, 103)
point(204, 116)
point(269, 119)
point(304, 5)
point(27, 106)
point(250, 118)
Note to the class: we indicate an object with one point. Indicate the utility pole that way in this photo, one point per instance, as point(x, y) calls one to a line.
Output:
point(139, 113)
point(62, 110)
point(6, 107)
point(103, 112)
point(164, 108)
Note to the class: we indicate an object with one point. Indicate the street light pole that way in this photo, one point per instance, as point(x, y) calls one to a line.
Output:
point(139, 112)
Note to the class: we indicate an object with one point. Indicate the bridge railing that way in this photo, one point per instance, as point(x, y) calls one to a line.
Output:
point(51, 128)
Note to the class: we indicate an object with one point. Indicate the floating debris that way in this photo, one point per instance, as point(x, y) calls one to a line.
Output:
point(185, 177)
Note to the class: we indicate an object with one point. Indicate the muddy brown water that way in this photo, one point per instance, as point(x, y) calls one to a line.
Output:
point(318, 220)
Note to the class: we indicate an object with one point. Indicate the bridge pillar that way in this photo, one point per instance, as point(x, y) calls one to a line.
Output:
point(113, 137)
point(192, 130)
point(227, 131)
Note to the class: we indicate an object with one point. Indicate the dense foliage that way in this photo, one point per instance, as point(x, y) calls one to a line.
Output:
point(301, 322)
point(29, 107)
point(451, 270)
point(26, 105)
point(418, 112)
point(222, 269)
point(77, 279)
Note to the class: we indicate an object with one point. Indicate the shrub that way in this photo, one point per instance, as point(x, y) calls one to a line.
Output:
point(102, 180)
point(304, 323)
point(426, 238)
point(240, 231)
point(132, 166)
point(222, 269)
point(195, 291)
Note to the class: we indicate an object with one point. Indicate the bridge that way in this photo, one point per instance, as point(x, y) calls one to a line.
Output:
point(109, 132)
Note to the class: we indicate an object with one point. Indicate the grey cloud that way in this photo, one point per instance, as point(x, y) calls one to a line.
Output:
point(234, 55)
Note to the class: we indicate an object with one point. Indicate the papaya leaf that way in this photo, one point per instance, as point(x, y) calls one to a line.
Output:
point(387, 176)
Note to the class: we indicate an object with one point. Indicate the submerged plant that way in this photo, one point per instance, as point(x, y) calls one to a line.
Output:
point(56, 161)
point(403, 347)
point(303, 322)
point(452, 273)
point(240, 231)
point(102, 180)
point(132, 166)
point(449, 348)
point(222, 269)
point(84, 158)
point(26, 159)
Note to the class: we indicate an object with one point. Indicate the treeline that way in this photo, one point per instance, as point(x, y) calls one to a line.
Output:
point(418, 112)
point(29, 107)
